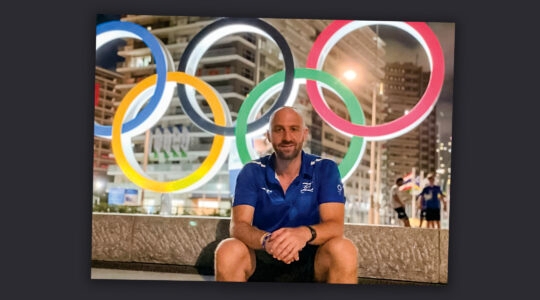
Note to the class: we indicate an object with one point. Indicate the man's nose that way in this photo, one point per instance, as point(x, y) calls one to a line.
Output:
point(287, 135)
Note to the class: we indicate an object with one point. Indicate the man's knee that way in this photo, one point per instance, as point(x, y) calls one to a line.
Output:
point(337, 261)
point(232, 258)
point(338, 253)
point(340, 248)
point(230, 249)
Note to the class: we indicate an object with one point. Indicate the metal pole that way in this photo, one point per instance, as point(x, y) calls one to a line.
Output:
point(145, 159)
point(378, 184)
point(371, 215)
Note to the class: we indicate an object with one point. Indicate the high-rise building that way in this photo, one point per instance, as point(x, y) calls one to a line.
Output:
point(405, 83)
point(445, 158)
point(233, 66)
point(106, 100)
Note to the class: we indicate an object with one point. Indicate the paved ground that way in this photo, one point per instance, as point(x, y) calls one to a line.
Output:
point(101, 273)
point(122, 274)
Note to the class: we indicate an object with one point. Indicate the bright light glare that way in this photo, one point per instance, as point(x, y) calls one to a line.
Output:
point(99, 185)
point(349, 75)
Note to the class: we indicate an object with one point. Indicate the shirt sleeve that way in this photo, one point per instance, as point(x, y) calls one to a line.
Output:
point(245, 191)
point(330, 184)
point(441, 192)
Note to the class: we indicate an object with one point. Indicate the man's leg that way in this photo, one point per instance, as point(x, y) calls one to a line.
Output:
point(234, 261)
point(336, 261)
point(406, 222)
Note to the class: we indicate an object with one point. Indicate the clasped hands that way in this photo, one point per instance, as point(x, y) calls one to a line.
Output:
point(285, 244)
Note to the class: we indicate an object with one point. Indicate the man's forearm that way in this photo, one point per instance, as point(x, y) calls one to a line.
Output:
point(327, 230)
point(248, 234)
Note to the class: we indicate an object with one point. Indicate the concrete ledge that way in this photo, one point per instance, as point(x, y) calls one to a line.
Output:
point(384, 252)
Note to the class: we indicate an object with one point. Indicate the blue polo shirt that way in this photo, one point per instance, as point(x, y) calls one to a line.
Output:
point(318, 182)
point(431, 196)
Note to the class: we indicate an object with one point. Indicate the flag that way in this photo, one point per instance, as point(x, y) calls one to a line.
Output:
point(410, 182)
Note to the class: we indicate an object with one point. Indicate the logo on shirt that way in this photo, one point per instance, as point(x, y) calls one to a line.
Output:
point(339, 189)
point(316, 161)
point(306, 187)
point(268, 191)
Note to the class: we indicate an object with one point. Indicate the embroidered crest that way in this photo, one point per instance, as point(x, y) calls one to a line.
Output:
point(306, 187)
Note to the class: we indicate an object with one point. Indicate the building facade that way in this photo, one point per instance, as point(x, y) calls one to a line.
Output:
point(415, 151)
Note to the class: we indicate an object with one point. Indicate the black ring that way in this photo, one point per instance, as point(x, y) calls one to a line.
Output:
point(287, 83)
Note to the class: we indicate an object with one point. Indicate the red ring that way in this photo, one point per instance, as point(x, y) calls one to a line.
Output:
point(393, 128)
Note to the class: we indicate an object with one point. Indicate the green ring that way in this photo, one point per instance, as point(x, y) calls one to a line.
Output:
point(356, 146)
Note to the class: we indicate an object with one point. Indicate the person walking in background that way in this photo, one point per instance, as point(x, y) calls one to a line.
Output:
point(432, 195)
point(398, 204)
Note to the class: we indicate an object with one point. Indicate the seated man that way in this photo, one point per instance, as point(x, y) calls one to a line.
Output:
point(287, 219)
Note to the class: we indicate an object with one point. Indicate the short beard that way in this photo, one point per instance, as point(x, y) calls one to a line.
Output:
point(292, 155)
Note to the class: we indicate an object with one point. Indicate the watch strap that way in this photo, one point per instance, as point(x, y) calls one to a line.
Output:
point(313, 234)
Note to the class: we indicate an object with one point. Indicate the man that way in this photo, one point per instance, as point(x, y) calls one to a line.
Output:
point(287, 220)
point(398, 204)
point(432, 196)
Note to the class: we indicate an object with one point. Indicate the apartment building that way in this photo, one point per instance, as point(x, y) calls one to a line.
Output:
point(405, 83)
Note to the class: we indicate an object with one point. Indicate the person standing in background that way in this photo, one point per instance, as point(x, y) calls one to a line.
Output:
point(398, 204)
point(432, 195)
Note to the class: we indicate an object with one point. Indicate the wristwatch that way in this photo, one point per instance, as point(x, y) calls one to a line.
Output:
point(313, 234)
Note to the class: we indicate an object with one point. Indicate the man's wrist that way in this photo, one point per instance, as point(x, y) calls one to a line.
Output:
point(264, 239)
point(313, 234)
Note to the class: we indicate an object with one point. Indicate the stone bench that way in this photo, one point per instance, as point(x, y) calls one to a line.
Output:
point(384, 252)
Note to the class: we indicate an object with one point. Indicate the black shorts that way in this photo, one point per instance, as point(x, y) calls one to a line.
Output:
point(269, 269)
point(423, 213)
point(433, 214)
point(401, 212)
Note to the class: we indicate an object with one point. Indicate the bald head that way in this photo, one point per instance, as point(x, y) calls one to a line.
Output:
point(286, 112)
point(287, 132)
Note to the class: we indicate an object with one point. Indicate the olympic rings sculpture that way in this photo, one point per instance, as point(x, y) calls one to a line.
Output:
point(133, 117)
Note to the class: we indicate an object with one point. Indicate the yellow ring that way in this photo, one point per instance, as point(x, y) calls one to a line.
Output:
point(118, 146)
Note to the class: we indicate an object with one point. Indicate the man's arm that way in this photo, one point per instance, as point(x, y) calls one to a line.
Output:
point(242, 228)
point(332, 222)
point(332, 225)
point(442, 197)
point(286, 242)
point(396, 198)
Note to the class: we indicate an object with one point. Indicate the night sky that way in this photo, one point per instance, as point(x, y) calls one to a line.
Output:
point(106, 56)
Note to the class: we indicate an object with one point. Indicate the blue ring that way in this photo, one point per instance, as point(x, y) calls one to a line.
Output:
point(161, 71)
point(281, 100)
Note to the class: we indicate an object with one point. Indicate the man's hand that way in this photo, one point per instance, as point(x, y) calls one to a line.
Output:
point(286, 243)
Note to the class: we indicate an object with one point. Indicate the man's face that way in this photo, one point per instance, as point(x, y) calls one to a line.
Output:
point(287, 134)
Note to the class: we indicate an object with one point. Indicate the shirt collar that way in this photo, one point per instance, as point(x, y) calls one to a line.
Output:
point(271, 171)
